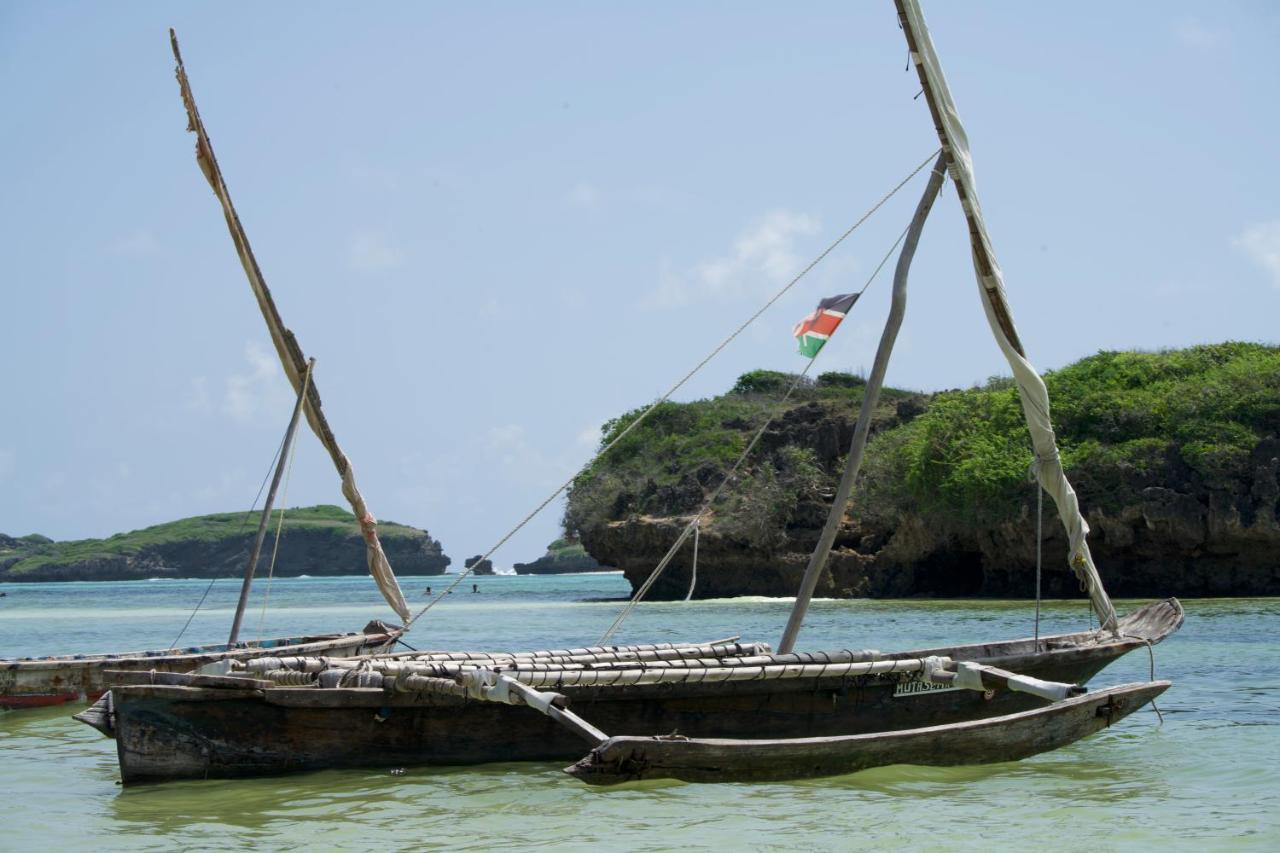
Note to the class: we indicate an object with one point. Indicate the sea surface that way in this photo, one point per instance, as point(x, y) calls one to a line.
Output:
point(1207, 778)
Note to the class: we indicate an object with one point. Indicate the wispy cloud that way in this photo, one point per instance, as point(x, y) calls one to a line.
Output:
point(261, 393)
point(584, 195)
point(763, 254)
point(1192, 32)
point(137, 243)
point(1261, 243)
point(371, 251)
point(522, 463)
point(197, 398)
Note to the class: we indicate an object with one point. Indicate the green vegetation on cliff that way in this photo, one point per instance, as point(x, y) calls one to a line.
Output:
point(563, 556)
point(682, 452)
point(204, 544)
point(1125, 420)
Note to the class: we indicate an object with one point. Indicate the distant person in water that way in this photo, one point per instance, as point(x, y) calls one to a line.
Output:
point(475, 587)
point(428, 592)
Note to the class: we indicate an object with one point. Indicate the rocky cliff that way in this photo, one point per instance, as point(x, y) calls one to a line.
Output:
point(1175, 457)
point(321, 540)
point(564, 556)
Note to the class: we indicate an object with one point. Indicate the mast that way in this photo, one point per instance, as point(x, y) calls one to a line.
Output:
point(1031, 389)
point(291, 357)
point(285, 449)
point(870, 399)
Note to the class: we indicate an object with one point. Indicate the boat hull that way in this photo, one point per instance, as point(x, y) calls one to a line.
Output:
point(166, 732)
point(42, 682)
point(990, 740)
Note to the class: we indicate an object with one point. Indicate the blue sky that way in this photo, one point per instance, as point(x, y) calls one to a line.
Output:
point(497, 225)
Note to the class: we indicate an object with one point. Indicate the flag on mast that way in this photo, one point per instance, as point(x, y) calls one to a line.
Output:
point(813, 331)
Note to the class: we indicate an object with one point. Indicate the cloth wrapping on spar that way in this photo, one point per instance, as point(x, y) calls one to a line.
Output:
point(814, 330)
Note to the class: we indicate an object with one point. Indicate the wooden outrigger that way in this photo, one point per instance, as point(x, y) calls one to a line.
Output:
point(984, 741)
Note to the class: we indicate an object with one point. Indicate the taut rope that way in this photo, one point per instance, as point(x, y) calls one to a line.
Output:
point(696, 523)
point(645, 414)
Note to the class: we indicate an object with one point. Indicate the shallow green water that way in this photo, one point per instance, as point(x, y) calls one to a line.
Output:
point(1207, 778)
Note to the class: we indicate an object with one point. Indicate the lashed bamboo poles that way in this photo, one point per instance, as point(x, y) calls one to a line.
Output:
point(647, 654)
point(453, 667)
point(287, 347)
point(286, 448)
point(570, 677)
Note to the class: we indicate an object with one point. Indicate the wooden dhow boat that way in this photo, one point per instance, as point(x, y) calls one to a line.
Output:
point(281, 715)
point(720, 711)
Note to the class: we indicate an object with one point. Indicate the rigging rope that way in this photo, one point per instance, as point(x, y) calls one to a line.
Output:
point(284, 498)
point(709, 502)
point(243, 523)
point(693, 572)
point(645, 414)
point(1039, 542)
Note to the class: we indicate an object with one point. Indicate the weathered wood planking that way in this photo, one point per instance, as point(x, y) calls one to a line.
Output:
point(80, 678)
point(986, 741)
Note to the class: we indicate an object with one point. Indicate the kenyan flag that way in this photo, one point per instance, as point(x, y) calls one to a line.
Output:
point(812, 332)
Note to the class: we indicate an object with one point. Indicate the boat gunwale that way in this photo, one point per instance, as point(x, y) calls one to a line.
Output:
point(250, 649)
point(1021, 654)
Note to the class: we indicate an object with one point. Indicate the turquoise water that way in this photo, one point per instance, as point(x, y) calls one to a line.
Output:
point(1207, 778)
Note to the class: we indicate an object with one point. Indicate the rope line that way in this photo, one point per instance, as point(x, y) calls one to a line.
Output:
point(696, 523)
point(1035, 478)
point(284, 499)
point(243, 523)
point(702, 511)
point(645, 414)
point(693, 571)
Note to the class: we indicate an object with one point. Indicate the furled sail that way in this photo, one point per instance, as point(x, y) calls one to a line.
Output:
point(291, 357)
point(1031, 388)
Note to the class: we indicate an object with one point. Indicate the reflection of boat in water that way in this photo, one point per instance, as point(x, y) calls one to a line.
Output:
point(718, 711)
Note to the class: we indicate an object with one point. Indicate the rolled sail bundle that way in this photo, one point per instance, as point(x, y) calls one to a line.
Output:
point(414, 676)
point(648, 654)
point(387, 674)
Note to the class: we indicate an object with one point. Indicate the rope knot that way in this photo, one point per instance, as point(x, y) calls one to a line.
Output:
point(368, 527)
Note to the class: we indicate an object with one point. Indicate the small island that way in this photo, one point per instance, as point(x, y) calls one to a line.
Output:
point(317, 540)
point(1175, 456)
point(564, 556)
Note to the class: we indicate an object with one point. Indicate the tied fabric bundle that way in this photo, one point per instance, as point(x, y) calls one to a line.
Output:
point(812, 332)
